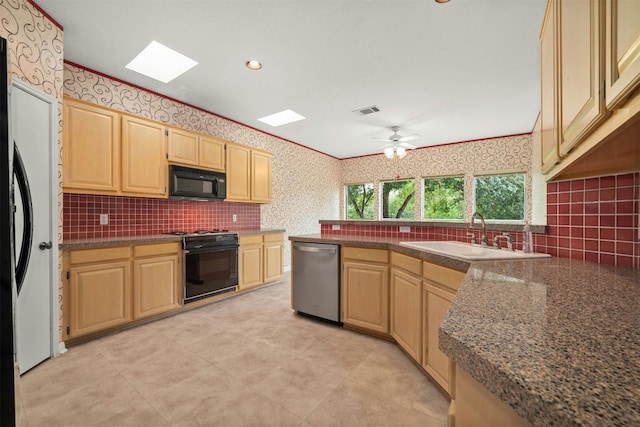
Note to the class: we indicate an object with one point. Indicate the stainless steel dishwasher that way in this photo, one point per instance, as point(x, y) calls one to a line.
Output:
point(316, 280)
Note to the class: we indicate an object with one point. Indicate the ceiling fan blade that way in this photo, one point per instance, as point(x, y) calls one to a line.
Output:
point(382, 147)
point(407, 145)
point(409, 137)
point(373, 138)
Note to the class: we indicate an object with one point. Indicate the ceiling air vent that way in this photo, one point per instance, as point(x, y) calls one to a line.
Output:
point(366, 110)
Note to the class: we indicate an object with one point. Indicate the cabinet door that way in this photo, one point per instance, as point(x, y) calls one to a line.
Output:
point(622, 50)
point(144, 162)
point(581, 70)
point(250, 266)
point(548, 106)
point(365, 296)
point(156, 283)
point(260, 177)
point(238, 171)
point(212, 155)
point(182, 147)
point(91, 152)
point(434, 361)
point(273, 259)
point(100, 297)
point(406, 312)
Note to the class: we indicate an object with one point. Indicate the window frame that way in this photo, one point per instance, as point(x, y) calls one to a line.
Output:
point(346, 201)
point(524, 197)
point(464, 199)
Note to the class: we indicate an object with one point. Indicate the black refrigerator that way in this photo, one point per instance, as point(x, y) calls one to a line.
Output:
point(7, 385)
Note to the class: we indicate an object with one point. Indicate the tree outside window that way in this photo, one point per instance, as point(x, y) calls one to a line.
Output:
point(397, 198)
point(500, 197)
point(359, 201)
point(443, 198)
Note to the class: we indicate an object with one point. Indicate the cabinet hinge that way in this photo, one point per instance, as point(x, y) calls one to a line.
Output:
point(166, 155)
point(68, 330)
point(604, 89)
point(68, 275)
point(166, 132)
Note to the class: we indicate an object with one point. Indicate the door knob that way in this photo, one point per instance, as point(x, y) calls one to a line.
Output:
point(45, 245)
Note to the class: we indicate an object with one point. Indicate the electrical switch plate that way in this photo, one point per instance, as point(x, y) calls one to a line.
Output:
point(234, 218)
point(335, 227)
point(405, 229)
point(104, 219)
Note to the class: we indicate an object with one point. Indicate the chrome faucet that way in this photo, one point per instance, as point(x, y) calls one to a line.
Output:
point(507, 236)
point(483, 238)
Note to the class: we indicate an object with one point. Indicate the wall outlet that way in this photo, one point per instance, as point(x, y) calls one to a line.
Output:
point(234, 218)
point(104, 219)
point(405, 229)
point(335, 227)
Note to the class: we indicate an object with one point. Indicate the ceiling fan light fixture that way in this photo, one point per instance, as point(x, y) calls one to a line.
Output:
point(401, 152)
point(389, 152)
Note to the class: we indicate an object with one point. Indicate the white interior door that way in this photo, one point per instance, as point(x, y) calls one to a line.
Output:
point(33, 130)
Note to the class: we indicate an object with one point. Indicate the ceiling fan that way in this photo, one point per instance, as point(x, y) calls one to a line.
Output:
point(396, 144)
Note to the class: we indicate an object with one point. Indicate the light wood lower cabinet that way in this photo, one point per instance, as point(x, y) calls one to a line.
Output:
point(99, 290)
point(440, 286)
point(406, 304)
point(109, 287)
point(157, 272)
point(260, 259)
point(365, 288)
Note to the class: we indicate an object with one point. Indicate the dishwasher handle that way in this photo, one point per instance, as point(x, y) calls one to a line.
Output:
point(331, 250)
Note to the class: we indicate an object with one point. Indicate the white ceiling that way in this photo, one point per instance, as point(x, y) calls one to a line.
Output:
point(464, 70)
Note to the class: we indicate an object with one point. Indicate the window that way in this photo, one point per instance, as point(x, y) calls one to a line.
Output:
point(500, 197)
point(359, 201)
point(443, 198)
point(397, 199)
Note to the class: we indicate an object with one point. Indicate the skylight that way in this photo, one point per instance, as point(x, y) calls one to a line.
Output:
point(282, 118)
point(161, 63)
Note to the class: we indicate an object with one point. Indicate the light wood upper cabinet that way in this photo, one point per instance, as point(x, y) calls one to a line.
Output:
point(238, 173)
point(212, 153)
point(91, 138)
point(623, 50)
point(365, 288)
point(260, 176)
point(580, 70)
point(183, 146)
point(144, 163)
point(549, 109)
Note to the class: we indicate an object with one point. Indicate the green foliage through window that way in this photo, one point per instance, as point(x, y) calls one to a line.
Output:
point(500, 196)
point(444, 198)
point(397, 198)
point(359, 201)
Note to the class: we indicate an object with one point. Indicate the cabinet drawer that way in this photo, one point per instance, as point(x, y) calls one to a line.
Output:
point(405, 262)
point(365, 254)
point(275, 237)
point(156, 249)
point(443, 275)
point(98, 255)
point(250, 239)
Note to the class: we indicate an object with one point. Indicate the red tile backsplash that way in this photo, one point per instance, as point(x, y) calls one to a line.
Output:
point(592, 219)
point(134, 216)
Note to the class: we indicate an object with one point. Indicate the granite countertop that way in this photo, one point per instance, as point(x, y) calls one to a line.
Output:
point(557, 340)
point(139, 240)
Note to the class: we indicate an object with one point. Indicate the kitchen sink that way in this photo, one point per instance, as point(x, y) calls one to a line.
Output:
point(469, 252)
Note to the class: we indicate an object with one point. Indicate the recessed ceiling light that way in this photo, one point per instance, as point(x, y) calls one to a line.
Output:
point(161, 63)
point(282, 118)
point(253, 64)
point(442, 1)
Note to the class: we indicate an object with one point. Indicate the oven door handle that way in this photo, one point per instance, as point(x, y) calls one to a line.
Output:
point(199, 249)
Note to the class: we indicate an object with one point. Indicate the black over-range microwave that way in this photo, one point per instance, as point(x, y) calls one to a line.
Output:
point(197, 184)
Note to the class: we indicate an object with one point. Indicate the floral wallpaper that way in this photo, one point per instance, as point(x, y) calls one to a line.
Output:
point(35, 46)
point(507, 154)
point(298, 202)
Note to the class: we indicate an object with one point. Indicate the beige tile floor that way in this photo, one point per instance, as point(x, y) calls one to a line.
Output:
point(245, 361)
